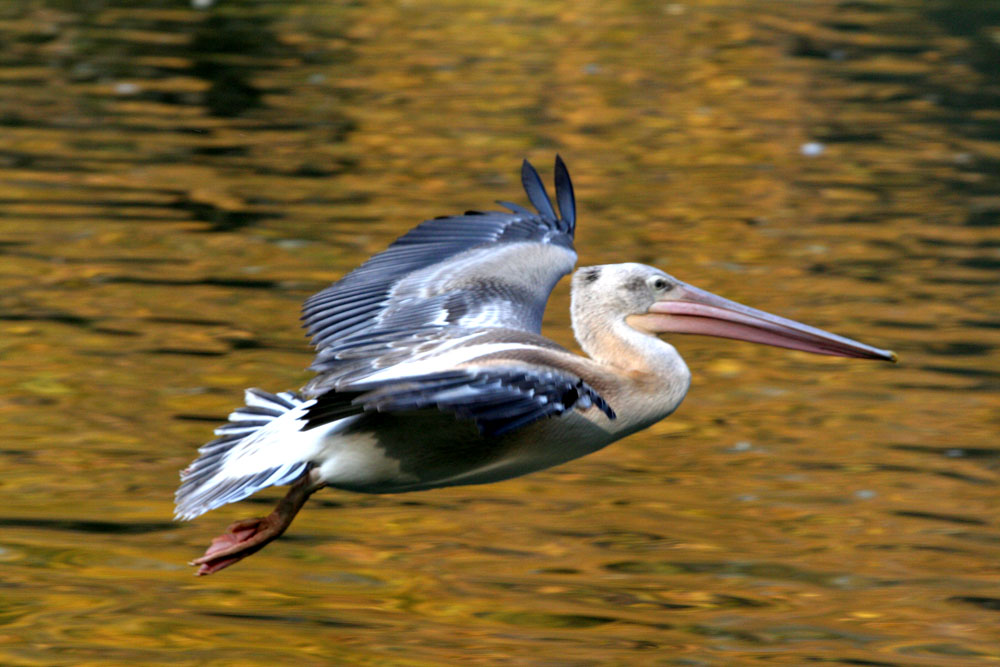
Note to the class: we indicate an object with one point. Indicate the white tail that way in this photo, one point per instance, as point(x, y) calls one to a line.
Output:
point(257, 448)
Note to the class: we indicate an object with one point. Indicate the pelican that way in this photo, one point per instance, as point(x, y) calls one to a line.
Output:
point(432, 370)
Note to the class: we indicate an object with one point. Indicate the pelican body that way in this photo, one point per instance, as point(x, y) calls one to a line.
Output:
point(432, 370)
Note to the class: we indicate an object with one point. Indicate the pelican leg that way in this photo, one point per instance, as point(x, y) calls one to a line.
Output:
point(249, 536)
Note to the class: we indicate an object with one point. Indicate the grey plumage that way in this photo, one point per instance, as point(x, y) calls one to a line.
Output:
point(434, 289)
point(356, 304)
point(452, 272)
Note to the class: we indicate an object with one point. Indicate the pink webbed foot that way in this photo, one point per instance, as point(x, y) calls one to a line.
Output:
point(249, 536)
point(242, 539)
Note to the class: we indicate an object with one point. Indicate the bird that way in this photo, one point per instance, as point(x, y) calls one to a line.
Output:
point(431, 370)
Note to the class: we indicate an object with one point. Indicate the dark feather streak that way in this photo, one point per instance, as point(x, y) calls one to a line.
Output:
point(498, 400)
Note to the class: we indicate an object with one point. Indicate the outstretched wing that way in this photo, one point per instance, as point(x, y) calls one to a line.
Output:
point(473, 271)
point(499, 399)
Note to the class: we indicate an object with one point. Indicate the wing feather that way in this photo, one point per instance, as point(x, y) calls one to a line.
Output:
point(535, 189)
point(564, 192)
point(481, 269)
point(497, 399)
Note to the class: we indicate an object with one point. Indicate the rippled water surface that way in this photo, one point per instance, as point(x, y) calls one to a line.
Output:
point(175, 181)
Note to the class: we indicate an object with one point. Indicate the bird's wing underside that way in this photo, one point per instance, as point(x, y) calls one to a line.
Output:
point(499, 398)
point(473, 271)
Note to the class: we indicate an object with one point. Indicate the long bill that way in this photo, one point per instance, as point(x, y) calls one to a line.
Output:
point(690, 310)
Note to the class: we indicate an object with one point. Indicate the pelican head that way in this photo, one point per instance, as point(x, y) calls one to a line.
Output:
point(653, 302)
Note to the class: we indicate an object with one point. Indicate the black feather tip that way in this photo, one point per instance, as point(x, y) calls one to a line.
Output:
point(535, 189)
point(564, 193)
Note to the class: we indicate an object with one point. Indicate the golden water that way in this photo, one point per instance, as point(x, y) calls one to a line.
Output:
point(174, 182)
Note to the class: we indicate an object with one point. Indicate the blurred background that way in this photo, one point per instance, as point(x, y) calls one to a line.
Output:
point(175, 179)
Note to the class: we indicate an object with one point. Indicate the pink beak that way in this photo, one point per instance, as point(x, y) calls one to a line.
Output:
point(694, 311)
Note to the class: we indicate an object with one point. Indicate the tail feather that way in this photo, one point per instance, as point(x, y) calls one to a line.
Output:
point(257, 448)
point(241, 428)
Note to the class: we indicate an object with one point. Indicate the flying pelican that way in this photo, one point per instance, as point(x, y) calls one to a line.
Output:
point(432, 370)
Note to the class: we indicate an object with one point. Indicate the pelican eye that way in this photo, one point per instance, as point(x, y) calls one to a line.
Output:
point(661, 285)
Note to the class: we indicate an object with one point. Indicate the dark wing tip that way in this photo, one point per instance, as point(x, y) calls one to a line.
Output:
point(535, 189)
point(564, 193)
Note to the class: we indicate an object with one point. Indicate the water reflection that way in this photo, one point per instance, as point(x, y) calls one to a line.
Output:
point(175, 182)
